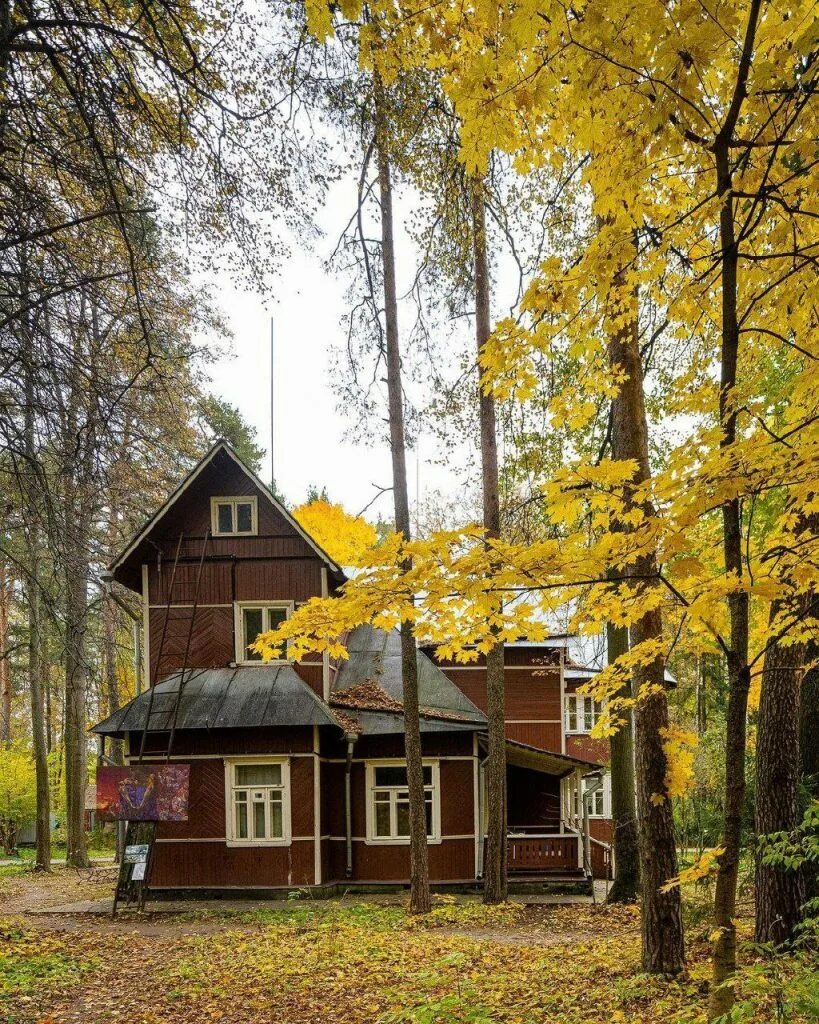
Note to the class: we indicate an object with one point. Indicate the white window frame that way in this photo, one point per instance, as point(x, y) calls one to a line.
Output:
point(399, 762)
point(240, 650)
point(605, 792)
point(580, 700)
point(231, 764)
point(234, 500)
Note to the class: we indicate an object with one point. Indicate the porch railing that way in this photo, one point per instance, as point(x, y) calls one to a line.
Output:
point(545, 851)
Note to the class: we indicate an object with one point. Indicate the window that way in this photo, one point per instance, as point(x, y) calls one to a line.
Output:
point(388, 802)
point(233, 517)
point(581, 713)
point(258, 802)
point(254, 618)
point(600, 800)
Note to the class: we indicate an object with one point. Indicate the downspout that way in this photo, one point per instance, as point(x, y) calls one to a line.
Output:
point(481, 813)
point(351, 738)
point(588, 793)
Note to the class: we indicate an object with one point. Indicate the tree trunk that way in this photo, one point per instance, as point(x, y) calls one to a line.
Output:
point(662, 928)
point(701, 709)
point(31, 494)
point(6, 587)
point(495, 880)
point(780, 894)
point(42, 856)
point(739, 676)
point(626, 885)
point(809, 724)
point(45, 675)
point(76, 686)
point(420, 898)
point(725, 945)
point(809, 751)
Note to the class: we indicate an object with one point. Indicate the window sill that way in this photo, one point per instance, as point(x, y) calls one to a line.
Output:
point(253, 843)
point(259, 664)
point(219, 536)
point(370, 841)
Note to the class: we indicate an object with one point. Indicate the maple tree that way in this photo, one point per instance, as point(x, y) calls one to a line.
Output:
point(694, 129)
point(345, 538)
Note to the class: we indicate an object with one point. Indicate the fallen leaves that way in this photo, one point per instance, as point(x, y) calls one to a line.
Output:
point(342, 962)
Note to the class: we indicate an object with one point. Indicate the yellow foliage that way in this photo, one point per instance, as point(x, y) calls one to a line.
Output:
point(707, 864)
point(679, 746)
point(346, 539)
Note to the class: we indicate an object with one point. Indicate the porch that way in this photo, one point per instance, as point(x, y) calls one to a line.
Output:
point(548, 837)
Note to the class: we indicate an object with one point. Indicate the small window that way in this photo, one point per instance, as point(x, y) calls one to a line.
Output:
point(388, 802)
point(233, 517)
point(600, 800)
point(581, 713)
point(258, 802)
point(253, 619)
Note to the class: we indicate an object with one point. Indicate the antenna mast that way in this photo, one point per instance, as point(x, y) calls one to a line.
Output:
point(272, 393)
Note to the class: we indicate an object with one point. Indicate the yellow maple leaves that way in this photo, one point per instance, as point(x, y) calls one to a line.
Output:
point(344, 537)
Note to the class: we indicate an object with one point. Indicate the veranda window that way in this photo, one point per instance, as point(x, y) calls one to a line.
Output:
point(259, 801)
point(600, 800)
point(581, 713)
point(388, 802)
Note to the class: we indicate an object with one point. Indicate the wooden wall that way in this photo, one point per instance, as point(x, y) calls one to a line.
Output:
point(194, 853)
point(533, 698)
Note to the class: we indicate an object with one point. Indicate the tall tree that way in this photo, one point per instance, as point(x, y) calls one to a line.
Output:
point(625, 839)
point(495, 880)
point(662, 926)
point(420, 898)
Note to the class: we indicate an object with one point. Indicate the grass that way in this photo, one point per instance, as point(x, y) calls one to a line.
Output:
point(26, 854)
point(355, 961)
point(31, 962)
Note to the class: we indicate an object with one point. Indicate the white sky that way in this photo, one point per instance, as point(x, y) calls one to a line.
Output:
point(307, 304)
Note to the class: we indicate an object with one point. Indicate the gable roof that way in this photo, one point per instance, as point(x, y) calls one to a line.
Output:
point(222, 446)
point(375, 657)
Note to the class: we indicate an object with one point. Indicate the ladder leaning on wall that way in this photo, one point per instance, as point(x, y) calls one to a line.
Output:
point(134, 874)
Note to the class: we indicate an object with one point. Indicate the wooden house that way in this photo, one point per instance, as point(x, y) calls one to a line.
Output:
point(297, 775)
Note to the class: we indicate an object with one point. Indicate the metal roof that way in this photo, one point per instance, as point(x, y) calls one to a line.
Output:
point(388, 723)
point(524, 755)
point(376, 654)
point(586, 672)
point(224, 698)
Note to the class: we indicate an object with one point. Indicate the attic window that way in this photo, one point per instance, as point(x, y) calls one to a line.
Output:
point(233, 517)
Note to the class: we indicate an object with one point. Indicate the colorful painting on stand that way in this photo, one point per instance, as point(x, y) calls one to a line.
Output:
point(143, 793)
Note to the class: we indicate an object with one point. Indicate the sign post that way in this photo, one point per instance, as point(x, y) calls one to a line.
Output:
point(140, 795)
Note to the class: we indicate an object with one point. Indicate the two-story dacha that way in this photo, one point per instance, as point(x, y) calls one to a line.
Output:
point(297, 774)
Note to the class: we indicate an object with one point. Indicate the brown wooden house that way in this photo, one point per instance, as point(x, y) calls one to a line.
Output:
point(297, 775)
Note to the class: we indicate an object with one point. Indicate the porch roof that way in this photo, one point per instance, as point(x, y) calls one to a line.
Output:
point(523, 755)
point(389, 723)
point(223, 698)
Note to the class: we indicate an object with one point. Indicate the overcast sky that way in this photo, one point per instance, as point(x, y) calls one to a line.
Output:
point(312, 436)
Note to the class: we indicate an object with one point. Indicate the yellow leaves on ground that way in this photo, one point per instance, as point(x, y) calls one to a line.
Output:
point(351, 961)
